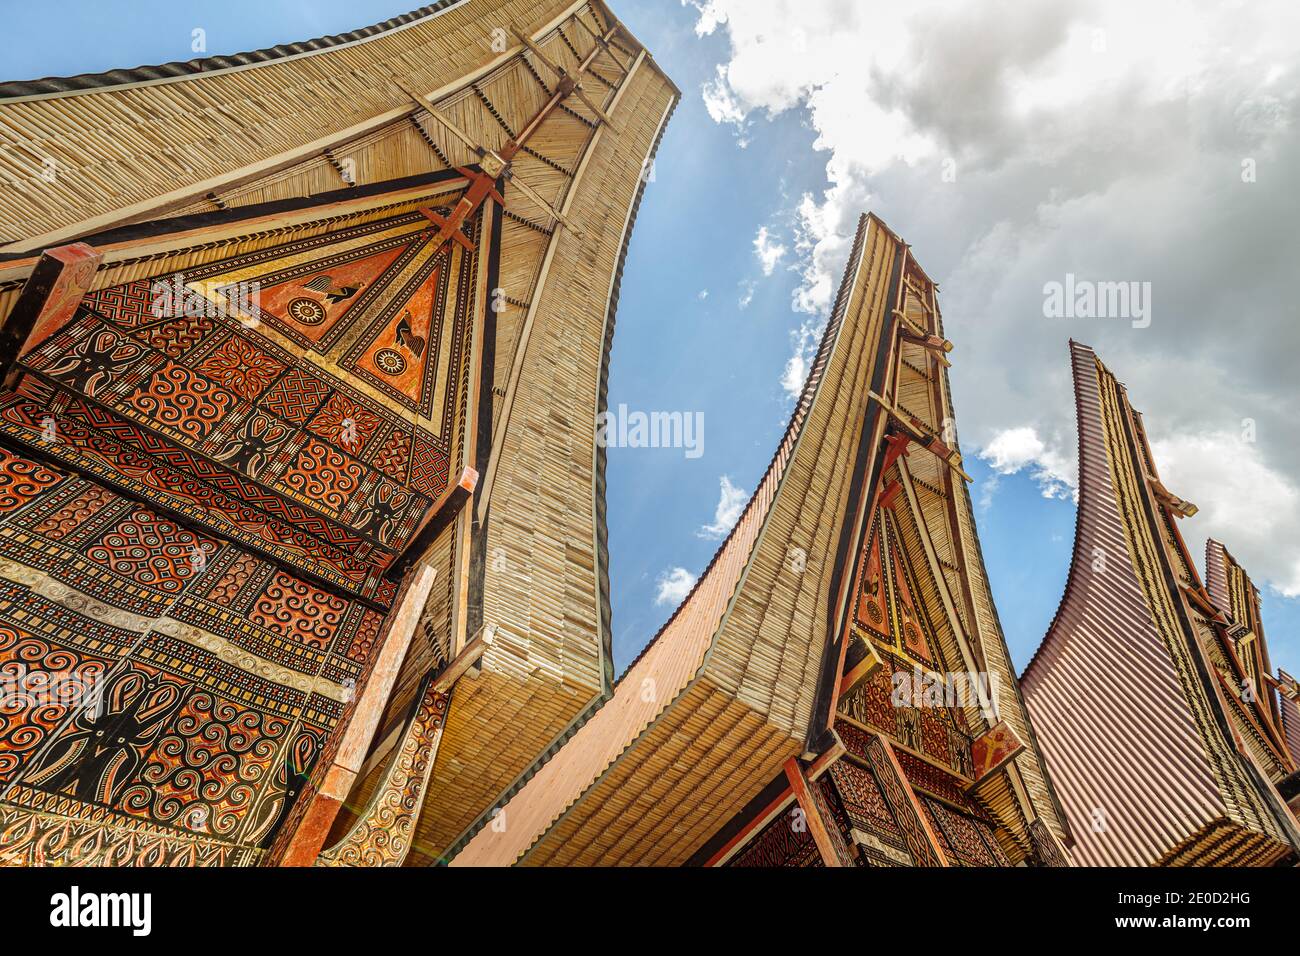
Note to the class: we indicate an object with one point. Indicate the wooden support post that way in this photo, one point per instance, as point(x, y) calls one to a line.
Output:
point(440, 514)
point(832, 846)
point(305, 843)
point(60, 279)
point(921, 840)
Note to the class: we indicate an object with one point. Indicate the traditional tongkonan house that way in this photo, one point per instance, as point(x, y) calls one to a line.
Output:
point(1178, 759)
point(836, 691)
point(302, 353)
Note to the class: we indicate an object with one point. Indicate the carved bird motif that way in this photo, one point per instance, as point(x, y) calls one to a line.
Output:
point(404, 337)
point(333, 291)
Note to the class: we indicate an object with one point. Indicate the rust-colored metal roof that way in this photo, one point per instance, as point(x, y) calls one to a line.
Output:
point(1290, 721)
point(1103, 681)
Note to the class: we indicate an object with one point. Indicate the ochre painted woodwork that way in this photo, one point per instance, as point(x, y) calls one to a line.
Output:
point(200, 526)
point(991, 750)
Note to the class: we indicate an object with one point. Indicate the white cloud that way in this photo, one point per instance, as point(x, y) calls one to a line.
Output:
point(804, 342)
point(731, 502)
point(1013, 450)
point(768, 250)
point(720, 102)
point(1115, 161)
point(747, 288)
point(1243, 502)
point(673, 585)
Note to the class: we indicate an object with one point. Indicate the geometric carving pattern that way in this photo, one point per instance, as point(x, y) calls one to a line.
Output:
point(903, 803)
point(967, 840)
point(880, 840)
point(784, 842)
point(206, 557)
point(382, 834)
point(209, 684)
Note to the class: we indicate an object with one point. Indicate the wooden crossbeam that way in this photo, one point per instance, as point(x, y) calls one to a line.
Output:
point(563, 75)
point(931, 443)
point(440, 514)
point(426, 102)
point(49, 299)
point(487, 156)
point(935, 344)
point(466, 660)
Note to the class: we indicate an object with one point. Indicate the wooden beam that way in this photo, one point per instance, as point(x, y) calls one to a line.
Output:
point(49, 299)
point(564, 75)
point(931, 443)
point(440, 514)
point(467, 659)
point(756, 823)
point(305, 844)
point(831, 852)
point(860, 671)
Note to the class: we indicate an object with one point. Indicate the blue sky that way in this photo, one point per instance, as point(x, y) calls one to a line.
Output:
point(684, 340)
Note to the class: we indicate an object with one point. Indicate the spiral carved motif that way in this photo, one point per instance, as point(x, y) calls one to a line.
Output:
point(382, 835)
point(178, 398)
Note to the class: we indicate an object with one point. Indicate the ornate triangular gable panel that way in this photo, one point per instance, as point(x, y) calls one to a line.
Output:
point(313, 388)
point(203, 504)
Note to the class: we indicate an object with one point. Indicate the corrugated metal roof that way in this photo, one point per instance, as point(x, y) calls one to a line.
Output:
point(1103, 681)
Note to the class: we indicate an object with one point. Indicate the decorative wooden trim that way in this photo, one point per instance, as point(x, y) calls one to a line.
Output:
point(756, 823)
point(49, 298)
point(833, 852)
point(305, 844)
point(382, 834)
point(1047, 847)
point(912, 819)
point(993, 750)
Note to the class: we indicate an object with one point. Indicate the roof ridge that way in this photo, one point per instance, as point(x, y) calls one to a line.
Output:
point(797, 419)
point(177, 69)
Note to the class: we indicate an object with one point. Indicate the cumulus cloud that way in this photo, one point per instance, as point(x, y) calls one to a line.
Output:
point(673, 585)
point(731, 502)
point(768, 250)
point(804, 340)
point(1150, 142)
point(1240, 496)
point(1014, 450)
